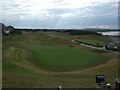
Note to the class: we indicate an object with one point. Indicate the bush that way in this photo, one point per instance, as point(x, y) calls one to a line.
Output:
point(16, 32)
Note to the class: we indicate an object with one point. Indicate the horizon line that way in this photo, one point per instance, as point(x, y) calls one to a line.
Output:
point(67, 28)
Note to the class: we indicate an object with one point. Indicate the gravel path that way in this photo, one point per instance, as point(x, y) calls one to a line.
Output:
point(83, 44)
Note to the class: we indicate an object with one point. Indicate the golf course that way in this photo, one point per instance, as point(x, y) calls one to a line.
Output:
point(50, 59)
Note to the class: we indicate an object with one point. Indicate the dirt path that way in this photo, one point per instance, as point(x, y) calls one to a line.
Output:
point(101, 48)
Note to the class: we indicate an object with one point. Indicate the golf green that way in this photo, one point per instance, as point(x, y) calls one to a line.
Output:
point(62, 58)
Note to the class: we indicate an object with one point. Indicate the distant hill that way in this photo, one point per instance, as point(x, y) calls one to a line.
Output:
point(98, 29)
point(81, 32)
point(86, 29)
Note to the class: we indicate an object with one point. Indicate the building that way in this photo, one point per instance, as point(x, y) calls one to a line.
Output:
point(5, 29)
point(9, 28)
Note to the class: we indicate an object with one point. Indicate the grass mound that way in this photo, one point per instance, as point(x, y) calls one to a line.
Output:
point(15, 59)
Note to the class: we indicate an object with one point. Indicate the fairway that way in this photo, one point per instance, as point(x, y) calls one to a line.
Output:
point(50, 59)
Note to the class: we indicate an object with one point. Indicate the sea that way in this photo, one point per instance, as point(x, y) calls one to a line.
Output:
point(110, 33)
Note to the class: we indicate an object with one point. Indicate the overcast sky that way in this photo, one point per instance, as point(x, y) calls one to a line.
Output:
point(60, 13)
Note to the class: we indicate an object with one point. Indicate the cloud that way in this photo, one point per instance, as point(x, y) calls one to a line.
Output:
point(104, 26)
point(31, 27)
point(76, 27)
point(21, 16)
point(58, 13)
point(96, 26)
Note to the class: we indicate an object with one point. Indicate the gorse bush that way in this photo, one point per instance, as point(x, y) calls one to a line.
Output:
point(16, 32)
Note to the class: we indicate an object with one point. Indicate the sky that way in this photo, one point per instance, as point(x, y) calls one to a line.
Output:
point(60, 14)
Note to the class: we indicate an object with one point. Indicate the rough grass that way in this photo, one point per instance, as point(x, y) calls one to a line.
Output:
point(93, 39)
point(93, 42)
point(45, 60)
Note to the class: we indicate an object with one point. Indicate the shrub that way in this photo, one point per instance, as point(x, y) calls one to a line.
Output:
point(16, 32)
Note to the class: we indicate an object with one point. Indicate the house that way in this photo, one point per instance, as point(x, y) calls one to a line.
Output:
point(9, 28)
point(5, 29)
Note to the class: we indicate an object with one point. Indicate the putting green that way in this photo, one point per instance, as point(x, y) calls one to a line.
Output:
point(61, 58)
